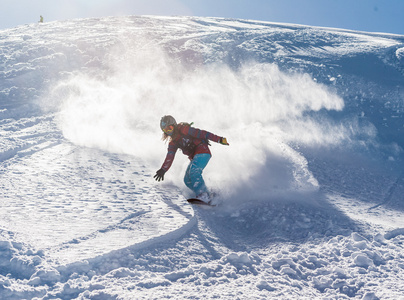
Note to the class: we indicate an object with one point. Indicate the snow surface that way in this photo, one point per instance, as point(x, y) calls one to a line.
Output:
point(311, 188)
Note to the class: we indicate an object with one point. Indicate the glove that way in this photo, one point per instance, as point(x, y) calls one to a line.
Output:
point(159, 175)
point(223, 141)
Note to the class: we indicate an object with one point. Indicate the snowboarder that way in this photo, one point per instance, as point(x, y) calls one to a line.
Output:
point(194, 143)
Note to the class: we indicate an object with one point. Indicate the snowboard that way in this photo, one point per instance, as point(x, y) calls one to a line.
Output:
point(199, 202)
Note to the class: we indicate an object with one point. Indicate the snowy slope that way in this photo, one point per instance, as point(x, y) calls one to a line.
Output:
point(311, 187)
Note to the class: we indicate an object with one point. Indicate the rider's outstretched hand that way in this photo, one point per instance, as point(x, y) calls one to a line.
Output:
point(223, 141)
point(159, 175)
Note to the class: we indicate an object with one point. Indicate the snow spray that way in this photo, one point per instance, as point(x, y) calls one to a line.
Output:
point(260, 109)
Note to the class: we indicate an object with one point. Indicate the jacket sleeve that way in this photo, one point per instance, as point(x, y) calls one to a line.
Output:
point(200, 134)
point(172, 149)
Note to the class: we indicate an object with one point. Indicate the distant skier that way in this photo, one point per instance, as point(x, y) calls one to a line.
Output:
point(194, 143)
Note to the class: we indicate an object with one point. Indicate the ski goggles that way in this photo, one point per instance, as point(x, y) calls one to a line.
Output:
point(169, 129)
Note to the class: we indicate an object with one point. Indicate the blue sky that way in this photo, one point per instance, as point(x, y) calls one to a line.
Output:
point(365, 15)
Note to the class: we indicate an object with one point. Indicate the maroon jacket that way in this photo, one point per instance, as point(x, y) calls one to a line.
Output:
point(191, 141)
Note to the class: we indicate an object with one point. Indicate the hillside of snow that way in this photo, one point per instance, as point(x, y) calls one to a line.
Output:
point(311, 188)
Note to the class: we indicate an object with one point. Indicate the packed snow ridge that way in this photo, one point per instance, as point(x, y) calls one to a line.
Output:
point(311, 187)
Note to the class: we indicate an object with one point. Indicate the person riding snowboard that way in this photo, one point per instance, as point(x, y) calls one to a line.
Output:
point(194, 143)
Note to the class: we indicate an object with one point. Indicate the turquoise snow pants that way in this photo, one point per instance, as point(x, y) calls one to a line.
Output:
point(193, 176)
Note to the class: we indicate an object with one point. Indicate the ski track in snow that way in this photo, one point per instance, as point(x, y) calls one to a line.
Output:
point(51, 183)
point(82, 218)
